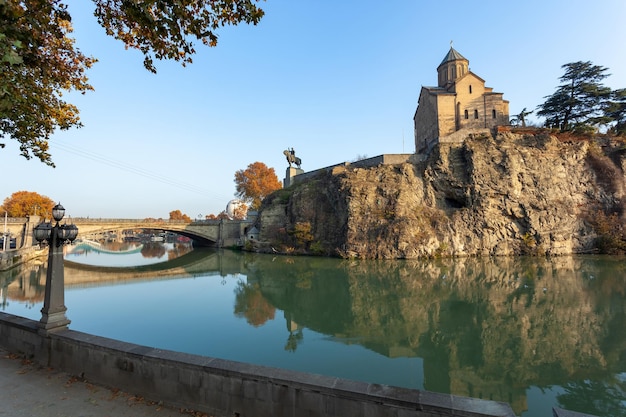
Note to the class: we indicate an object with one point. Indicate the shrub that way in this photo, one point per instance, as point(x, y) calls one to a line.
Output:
point(611, 238)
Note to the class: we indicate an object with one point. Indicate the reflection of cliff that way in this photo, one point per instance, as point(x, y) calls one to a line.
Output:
point(486, 328)
point(314, 294)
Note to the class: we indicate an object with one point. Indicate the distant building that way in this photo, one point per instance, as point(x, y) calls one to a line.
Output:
point(460, 101)
point(236, 209)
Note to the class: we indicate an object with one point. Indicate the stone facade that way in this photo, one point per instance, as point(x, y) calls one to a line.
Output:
point(460, 101)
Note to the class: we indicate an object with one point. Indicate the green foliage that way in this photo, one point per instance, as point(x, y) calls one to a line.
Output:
point(283, 195)
point(167, 28)
point(581, 99)
point(529, 245)
point(302, 233)
point(520, 119)
point(39, 62)
point(317, 248)
point(441, 250)
point(616, 111)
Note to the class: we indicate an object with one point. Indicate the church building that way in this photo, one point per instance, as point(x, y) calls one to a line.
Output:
point(460, 101)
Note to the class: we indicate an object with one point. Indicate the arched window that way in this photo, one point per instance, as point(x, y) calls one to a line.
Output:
point(466, 114)
point(475, 114)
point(470, 89)
point(493, 113)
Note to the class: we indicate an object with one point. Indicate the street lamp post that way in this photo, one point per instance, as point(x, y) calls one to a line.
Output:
point(53, 311)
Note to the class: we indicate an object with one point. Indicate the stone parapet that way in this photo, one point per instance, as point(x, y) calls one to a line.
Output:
point(384, 159)
point(227, 388)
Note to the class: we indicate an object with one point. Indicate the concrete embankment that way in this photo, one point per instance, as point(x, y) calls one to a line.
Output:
point(225, 388)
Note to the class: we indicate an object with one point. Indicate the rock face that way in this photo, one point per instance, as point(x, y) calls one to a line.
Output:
point(505, 195)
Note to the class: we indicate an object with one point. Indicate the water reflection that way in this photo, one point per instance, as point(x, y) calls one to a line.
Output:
point(25, 285)
point(497, 329)
point(128, 253)
point(487, 328)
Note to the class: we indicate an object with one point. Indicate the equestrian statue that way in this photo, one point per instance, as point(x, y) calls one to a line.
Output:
point(292, 158)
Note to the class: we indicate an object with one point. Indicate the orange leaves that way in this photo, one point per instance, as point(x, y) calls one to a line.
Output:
point(26, 203)
point(178, 215)
point(255, 183)
point(44, 64)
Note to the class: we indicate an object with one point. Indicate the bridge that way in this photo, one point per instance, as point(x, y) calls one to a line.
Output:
point(219, 233)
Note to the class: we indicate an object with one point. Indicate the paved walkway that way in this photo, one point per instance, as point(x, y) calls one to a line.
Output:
point(29, 390)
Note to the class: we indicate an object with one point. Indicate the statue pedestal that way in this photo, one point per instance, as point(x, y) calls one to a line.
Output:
point(289, 174)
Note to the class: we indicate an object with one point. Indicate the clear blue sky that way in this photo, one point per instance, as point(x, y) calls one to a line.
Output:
point(333, 79)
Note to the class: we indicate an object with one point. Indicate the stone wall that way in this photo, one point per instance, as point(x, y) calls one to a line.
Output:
point(385, 159)
point(425, 121)
point(225, 388)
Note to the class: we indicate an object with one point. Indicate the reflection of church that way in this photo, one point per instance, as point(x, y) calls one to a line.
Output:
point(295, 333)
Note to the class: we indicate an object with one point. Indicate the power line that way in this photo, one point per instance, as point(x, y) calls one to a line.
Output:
point(137, 170)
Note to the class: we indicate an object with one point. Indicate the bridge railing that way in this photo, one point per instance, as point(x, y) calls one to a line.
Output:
point(78, 220)
point(112, 220)
point(14, 220)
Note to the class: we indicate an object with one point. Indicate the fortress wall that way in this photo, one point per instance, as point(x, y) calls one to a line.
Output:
point(226, 388)
point(384, 159)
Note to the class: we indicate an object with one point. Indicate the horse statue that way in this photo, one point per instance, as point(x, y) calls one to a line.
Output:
point(290, 154)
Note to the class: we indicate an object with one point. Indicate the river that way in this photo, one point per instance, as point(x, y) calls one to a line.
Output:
point(532, 332)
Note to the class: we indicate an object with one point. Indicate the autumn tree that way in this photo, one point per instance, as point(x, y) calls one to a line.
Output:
point(240, 212)
point(222, 216)
point(25, 203)
point(255, 183)
point(39, 62)
point(178, 215)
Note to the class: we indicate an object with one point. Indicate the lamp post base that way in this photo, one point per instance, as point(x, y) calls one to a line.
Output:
point(53, 322)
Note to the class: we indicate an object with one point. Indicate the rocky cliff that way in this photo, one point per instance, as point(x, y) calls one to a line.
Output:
point(508, 194)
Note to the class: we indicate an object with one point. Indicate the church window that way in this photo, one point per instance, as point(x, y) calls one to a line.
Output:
point(475, 114)
point(470, 89)
point(493, 113)
point(466, 114)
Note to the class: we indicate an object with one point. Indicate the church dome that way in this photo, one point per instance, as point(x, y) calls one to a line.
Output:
point(452, 55)
point(453, 67)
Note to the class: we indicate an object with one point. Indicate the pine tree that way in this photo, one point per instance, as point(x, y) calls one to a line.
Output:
point(581, 99)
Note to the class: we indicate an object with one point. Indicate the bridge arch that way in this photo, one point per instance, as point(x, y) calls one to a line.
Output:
point(218, 233)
